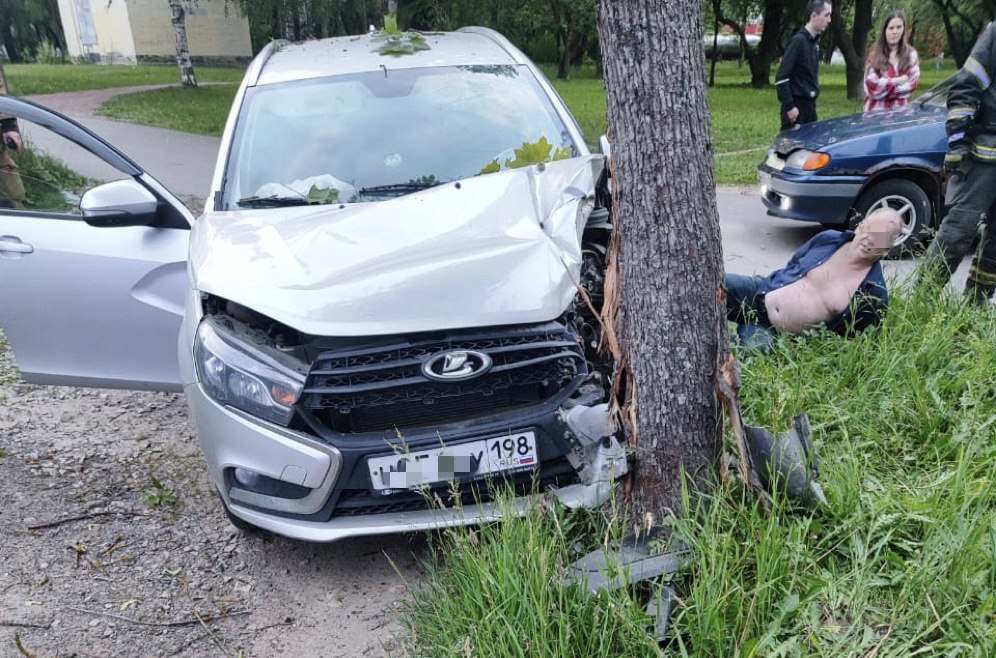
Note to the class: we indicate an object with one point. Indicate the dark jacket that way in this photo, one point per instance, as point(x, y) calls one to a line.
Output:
point(870, 300)
point(972, 100)
point(799, 73)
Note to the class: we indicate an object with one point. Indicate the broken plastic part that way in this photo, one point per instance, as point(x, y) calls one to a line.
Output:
point(590, 424)
point(609, 570)
point(787, 461)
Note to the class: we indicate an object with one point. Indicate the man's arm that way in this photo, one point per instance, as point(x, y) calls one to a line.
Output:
point(866, 309)
point(783, 77)
point(971, 81)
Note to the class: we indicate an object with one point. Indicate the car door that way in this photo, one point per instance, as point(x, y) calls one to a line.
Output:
point(92, 259)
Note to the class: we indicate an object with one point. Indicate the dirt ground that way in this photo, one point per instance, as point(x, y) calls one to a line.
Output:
point(113, 544)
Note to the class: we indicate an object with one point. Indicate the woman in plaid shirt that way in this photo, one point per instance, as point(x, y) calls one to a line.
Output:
point(893, 67)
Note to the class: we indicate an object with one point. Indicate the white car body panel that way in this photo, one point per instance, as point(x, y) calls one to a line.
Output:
point(94, 306)
point(511, 256)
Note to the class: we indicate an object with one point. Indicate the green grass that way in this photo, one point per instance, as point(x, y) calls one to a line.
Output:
point(27, 79)
point(901, 563)
point(201, 110)
point(498, 590)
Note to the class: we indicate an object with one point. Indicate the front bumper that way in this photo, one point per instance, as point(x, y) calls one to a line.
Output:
point(335, 506)
point(808, 197)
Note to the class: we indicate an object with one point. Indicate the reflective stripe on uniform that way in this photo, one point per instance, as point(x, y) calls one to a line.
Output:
point(976, 273)
point(987, 153)
point(960, 113)
point(977, 71)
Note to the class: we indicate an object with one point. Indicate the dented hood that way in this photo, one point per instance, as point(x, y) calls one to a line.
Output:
point(499, 249)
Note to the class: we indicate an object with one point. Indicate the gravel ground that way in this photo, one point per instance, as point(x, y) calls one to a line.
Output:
point(113, 544)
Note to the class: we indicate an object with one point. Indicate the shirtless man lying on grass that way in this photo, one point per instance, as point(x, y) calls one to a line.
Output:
point(834, 280)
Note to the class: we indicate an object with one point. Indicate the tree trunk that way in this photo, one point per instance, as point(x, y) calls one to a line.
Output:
point(853, 46)
point(760, 65)
point(187, 78)
point(670, 317)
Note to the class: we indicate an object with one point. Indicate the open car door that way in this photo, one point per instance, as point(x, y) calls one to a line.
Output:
point(92, 259)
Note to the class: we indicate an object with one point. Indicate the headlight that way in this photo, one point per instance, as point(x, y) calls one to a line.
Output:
point(807, 160)
point(232, 372)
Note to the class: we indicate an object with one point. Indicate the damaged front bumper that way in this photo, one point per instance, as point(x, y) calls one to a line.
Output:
point(314, 491)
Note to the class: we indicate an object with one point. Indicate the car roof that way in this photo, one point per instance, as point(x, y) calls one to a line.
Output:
point(360, 54)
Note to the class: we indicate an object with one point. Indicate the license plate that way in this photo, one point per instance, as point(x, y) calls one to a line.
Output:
point(462, 461)
point(764, 178)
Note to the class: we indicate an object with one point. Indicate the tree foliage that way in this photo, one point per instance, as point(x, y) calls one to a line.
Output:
point(31, 28)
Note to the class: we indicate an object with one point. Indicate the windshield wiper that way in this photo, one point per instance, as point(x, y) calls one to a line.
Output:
point(272, 201)
point(400, 188)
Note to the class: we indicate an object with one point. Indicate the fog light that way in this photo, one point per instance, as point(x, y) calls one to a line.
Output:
point(785, 203)
point(246, 478)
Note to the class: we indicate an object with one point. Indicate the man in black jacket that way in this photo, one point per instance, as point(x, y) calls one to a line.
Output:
point(798, 80)
point(971, 164)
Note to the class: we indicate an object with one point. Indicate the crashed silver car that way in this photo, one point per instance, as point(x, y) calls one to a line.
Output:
point(384, 298)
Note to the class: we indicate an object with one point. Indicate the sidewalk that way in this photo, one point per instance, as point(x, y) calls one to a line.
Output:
point(181, 161)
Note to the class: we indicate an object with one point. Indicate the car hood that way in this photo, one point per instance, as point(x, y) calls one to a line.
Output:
point(825, 133)
point(504, 248)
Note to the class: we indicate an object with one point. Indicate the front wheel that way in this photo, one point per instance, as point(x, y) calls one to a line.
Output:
point(910, 201)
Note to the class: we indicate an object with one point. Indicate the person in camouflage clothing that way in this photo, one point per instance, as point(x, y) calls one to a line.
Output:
point(11, 186)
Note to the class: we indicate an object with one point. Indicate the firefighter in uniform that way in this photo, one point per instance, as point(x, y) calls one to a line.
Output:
point(971, 163)
point(11, 186)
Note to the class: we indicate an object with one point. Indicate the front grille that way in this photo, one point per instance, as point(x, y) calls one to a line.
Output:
point(360, 502)
point(382, 387)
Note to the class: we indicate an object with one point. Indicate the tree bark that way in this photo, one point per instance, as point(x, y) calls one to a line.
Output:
point(760, 64)
point(853, 46)
point(670, 315)
point(178, 19)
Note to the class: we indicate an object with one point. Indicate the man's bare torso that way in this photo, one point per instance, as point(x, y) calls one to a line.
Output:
point(823, 293)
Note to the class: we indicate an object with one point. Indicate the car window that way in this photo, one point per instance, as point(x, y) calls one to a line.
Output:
point(373, 136)
point(49, 173)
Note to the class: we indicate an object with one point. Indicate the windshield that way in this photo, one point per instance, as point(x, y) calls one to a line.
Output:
point(375, 136)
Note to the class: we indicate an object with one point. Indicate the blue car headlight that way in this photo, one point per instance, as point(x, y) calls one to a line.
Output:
point(236, 373)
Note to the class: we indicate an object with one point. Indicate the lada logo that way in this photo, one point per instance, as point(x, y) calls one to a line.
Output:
point(456, 365)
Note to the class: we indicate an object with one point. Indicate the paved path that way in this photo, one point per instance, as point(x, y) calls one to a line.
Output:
point(753, 242)
point(181, 161)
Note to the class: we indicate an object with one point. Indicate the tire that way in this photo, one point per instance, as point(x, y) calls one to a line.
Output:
point(912, 203)
point(240, 523)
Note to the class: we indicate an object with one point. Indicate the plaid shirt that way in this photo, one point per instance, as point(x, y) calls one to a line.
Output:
point(883, 92)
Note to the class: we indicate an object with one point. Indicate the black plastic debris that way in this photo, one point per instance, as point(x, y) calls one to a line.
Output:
point(788, 461)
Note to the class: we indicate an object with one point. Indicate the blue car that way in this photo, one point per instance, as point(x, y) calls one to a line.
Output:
point(837, 171)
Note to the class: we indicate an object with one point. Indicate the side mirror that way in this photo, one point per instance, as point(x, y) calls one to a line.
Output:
point(119, 203)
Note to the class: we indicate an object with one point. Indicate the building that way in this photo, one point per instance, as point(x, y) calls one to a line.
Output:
point(140, 31)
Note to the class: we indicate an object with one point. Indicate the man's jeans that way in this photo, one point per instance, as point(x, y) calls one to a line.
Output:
point(745, 306)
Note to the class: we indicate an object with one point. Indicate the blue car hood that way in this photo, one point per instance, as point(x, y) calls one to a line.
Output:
point(831, 131)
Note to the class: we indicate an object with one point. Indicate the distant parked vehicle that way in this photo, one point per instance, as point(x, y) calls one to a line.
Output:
point(728, 45)
point(837, 171)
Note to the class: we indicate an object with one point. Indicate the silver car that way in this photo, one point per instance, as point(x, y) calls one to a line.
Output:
point(390, 297)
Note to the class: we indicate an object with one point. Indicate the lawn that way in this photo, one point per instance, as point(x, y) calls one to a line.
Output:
point(28, 79)
point(744, 120)
point(901, 562)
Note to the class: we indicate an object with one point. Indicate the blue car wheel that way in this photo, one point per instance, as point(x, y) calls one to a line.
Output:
point(910, 201)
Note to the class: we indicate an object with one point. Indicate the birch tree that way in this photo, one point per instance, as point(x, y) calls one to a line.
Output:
point(669, 316)
point(178, 19)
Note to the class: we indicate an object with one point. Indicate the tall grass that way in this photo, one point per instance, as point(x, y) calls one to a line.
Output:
point(901, 563)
